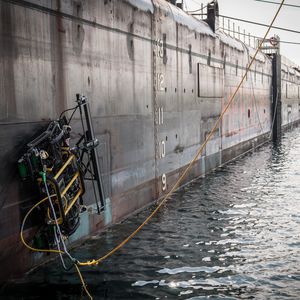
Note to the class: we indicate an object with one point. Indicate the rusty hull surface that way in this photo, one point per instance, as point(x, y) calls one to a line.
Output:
point(156, 86)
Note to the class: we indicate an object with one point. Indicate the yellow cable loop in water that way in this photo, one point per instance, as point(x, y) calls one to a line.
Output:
point(199, 152)
point(22, 230)
point(165, 199)
point(48, 250)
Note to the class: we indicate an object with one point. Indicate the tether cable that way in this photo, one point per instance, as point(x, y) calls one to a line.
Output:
point(253, 92)
point(260, 24)
point(272, 2)
point(60, 252)
point(199, 152)
point(199, 9)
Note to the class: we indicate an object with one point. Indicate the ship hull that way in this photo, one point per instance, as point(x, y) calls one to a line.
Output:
point(156, 83)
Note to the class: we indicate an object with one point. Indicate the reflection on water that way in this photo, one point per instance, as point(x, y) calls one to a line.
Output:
point(234, 234)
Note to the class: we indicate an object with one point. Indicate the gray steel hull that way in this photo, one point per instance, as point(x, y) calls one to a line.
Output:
point(156, 86)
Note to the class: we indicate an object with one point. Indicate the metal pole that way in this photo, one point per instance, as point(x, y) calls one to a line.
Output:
point(223, 24)
point(276, 102)
point(233, 29)
point(93, 152)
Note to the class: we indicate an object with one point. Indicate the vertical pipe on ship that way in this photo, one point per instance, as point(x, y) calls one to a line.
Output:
point(276, 99)
point(213, 15)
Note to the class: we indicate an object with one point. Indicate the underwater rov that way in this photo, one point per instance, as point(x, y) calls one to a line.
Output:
point(58, 172)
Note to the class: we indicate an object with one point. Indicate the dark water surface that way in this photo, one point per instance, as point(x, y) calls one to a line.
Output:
point(234, 234)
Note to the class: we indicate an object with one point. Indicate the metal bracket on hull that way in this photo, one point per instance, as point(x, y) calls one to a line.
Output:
point(88, 146)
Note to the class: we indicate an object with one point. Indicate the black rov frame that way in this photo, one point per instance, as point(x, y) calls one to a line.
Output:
point(61, 170)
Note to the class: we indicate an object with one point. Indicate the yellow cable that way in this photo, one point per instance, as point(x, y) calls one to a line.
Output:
point(199, 152)
point(48, 250)
point(23, 224)
point(83, 283)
